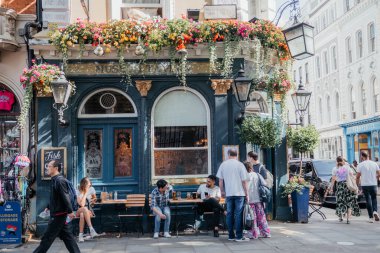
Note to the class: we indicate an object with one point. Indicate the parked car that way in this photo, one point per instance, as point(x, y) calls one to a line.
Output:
point(318, 173)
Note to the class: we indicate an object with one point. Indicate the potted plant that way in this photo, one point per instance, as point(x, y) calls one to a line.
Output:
point(264, 132)
point(297, 190)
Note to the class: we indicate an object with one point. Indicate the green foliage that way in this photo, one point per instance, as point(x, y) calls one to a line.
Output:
point(303, 139)
point(265, 133)
point(294, 184)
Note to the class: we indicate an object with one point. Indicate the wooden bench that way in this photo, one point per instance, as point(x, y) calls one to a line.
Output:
point(315, 204)
point(134, 209)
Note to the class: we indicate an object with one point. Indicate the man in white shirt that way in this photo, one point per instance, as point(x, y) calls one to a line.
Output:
point(235, 178)
point(368, 174)
point(210, 194)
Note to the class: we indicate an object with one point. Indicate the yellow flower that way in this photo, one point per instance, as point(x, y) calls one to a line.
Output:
point(107, 50)
point(115, 43)
point(69, 43)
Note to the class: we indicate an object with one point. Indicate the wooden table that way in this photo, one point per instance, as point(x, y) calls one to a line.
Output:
point(108, 202)
point(192, 202)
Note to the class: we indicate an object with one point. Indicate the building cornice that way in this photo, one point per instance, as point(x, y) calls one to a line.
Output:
point(360, 122)
point(355, 11)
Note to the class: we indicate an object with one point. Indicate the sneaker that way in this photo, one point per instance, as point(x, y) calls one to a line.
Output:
point(243, 239)
point(197, 224)
point(93, 234)
point(370, 220)
point(376, 216)
point(155, 236)
point(167, 235)
point(231, 239)
point(81, 239)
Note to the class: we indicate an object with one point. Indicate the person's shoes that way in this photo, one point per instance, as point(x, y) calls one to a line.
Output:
point(93, 234)
point(348, 221)
point(167, 235)
point(216, 233)
point(197, 224)
point(231, 239)
point(155, 236)
point(80, 239)
point(243, 239)
point(376, 216)
point(370, 220)
point(341, 218)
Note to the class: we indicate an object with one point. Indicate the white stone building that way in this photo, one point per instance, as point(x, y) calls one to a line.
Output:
point(343, 76)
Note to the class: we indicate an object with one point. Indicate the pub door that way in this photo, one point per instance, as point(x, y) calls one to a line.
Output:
point(107, 155)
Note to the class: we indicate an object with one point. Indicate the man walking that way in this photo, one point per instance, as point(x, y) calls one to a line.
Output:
point(235, 178)
point(367, 174)
point(60, 208)
point(253, 158)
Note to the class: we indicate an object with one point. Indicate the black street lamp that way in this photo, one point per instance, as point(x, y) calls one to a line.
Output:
point(301, 100)
point(242, 88)
point(61, 92)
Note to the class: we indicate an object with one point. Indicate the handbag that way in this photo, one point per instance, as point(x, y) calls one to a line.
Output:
point(248, 217)
point(351, 184)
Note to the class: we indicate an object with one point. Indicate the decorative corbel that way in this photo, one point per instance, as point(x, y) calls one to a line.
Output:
point(221, 86)
point(143, 86)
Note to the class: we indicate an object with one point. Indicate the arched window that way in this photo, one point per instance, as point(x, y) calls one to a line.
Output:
point(376, 95)
point(328, 103)
point(334, 58)
point(371, 38)
point(107, 103)
point(337, 107)
point(353, 99)
point(364, 99)
point(318, 63)
point(181, 133)
point(348, 50)
point(320, 111)
point(359, 44)
point(326, 62)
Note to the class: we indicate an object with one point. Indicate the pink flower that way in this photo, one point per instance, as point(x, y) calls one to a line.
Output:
point(32, 79)
point(52, 72)
point(43, 66)
point(25, 70)
point(23, 79)
point(36, 73)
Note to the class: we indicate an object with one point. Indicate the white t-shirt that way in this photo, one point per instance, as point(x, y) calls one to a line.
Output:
point(233, 173)
point(90, 192)
point(253, 188)
point(212, 192)
point(368, 171)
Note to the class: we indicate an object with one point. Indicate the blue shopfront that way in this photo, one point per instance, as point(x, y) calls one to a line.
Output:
point(362, 135)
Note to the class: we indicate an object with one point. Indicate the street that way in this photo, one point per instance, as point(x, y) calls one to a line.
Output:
point(317, 236)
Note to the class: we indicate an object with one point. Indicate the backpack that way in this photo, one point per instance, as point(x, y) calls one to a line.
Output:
point(72, 194)
point(269, 179)
point(264, 191)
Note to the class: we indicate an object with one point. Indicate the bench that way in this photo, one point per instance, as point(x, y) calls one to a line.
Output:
point(134, 209)
point(315, 203)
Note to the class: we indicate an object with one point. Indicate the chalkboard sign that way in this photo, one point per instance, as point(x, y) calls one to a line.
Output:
point(49, 154)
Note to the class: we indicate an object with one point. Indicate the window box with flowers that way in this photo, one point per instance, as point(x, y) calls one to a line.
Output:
point(38, 77)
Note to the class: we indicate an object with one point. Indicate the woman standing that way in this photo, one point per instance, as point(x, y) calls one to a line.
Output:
point(260, 225)
point(85, 197)
point(346, 200)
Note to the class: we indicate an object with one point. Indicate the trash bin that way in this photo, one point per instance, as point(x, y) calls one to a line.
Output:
point(300, 204)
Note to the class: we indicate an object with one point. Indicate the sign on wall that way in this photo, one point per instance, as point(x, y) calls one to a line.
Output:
point(53, 153)
point(220, 11)
point(10, 223)
point(56, 11)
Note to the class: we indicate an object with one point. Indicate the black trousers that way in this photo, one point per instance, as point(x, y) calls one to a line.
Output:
point(370, 194)
point(58, 228)
point(211, 205)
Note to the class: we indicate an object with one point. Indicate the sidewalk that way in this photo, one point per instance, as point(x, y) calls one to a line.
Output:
point(316, 236)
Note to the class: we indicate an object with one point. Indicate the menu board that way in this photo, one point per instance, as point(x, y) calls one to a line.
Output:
point(53, 153)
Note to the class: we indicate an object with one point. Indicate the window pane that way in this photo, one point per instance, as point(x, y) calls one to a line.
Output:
point(107, 102)
point(181, 162)
point(180, 108)
point(123, 152)
point(193, 136)
point(93, 153)
point(141, 1)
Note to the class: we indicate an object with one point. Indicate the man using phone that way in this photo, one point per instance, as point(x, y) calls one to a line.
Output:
point(210, 194)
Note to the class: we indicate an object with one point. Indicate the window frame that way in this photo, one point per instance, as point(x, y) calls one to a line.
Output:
point(116, 115)
point(209, 146)
point(359, 44)
point(326, 62)
point(318, 65)
point(328, 104)
point(334, 59)
point(115, 8)
point(363, 98)
point(376, 97)
point(352, 101)
point(371, 37)
point(348, 50)
point(337, 105)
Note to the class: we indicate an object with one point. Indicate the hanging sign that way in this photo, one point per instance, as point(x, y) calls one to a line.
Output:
point(10, 223)
point(49, 154)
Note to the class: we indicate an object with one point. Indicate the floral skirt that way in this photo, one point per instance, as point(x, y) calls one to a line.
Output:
point(346, 199)
point(260, 227)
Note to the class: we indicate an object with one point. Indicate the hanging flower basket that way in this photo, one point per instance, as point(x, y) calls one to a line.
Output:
point(39, 78)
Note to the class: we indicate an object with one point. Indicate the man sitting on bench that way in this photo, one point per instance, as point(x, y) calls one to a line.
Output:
point(210, 194)
point(160, 207)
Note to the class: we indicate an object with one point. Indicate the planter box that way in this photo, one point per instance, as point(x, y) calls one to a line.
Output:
point(300, 204)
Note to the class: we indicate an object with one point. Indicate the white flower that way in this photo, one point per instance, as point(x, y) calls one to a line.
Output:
point(98, 51)
point(139, 50)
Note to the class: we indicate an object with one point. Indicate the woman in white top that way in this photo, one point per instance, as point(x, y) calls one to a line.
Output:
point(85, 196)
point(346, 200)
point(260, 227)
